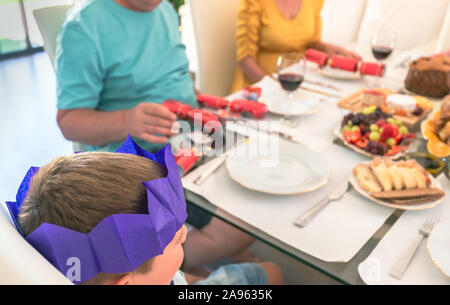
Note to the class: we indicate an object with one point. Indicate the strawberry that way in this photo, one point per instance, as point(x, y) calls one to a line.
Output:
point(388, 131)
point(410, 136)
point(395, 127)
point(366, 135)
point(362, 143)
point(394, 150)
point(398, 138)
point(381, 123)
point(352, 136)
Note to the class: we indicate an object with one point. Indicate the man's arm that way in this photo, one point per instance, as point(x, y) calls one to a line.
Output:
point(95, 127)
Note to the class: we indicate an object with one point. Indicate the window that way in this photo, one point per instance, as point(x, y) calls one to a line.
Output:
point(19, 33)
point(13, 36)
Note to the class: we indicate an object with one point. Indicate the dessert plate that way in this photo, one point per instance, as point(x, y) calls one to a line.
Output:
point(339, 74)
point(423, 206)
point(438, 246)
point(294, 170)
point(301, 104)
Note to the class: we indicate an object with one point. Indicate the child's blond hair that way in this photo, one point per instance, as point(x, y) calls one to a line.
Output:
point(80, 190)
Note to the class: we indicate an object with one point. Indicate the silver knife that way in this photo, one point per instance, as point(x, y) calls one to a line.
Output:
point(303, 220)
point(210, 170)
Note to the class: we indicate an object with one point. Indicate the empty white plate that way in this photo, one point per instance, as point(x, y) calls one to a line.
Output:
point(439, 246)
point(296, 169)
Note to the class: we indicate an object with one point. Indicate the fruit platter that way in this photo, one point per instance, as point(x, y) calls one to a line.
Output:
point(375, 133)
point(437, 131)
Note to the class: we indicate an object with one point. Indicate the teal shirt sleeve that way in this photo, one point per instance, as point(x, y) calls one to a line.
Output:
point(78, 68)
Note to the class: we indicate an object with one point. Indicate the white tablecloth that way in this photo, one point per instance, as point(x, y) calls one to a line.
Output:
point(374, 270)
point(342, 229)
point(335, 235)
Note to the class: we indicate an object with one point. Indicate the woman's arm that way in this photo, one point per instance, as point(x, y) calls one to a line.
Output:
point(247, 39)
point(334, 50)
point(251, 69)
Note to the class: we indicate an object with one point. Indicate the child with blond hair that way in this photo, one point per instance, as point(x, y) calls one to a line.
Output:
point(116, 218)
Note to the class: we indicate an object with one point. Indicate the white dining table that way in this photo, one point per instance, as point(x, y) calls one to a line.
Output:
point(344, 234)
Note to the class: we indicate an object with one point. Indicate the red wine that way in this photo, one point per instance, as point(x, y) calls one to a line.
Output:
point(381, 52)
point(290, 81)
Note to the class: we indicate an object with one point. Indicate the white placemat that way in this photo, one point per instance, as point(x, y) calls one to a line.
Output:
point(335, 235)
point(422, 271)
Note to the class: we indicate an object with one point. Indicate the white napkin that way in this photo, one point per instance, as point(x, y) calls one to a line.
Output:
point(422, 271)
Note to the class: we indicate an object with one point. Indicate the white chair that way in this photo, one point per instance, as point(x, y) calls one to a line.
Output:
point(215, 34)
point(341, 20)
point(20, 263)
point(417, 23)
point(444, 38)
point(50, 21)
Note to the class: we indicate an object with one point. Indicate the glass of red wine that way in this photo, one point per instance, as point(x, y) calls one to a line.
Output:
point(291, 70)
point(383, 43)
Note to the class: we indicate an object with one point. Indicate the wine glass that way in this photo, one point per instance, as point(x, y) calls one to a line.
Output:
point(382, 43)
point(291, 70)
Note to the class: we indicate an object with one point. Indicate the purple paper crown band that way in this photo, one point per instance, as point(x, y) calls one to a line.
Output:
point(119, 243)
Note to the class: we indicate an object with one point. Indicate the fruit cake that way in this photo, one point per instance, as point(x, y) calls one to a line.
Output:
point(429, 76)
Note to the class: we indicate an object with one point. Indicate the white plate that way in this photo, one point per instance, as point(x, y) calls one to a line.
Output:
point(298, 170)
point(339, 74)
point(301, 104)
point(416, 207)
point(438, 246)
point(340, 136)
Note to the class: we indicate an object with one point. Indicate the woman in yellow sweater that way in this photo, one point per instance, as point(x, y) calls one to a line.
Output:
point(268, 28)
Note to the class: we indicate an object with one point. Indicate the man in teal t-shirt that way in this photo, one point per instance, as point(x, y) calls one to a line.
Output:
point(116, 62)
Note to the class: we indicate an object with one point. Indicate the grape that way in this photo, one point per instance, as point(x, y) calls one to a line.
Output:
point(418, 111)
point(403, 130)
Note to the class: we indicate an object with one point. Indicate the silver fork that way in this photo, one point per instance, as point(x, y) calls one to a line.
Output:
point(303, 220)
point(402, 263)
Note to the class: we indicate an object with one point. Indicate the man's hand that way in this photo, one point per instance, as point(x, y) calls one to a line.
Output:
point(147, 120)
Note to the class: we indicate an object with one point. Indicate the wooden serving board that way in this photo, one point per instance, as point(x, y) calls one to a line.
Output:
point(353, 102)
